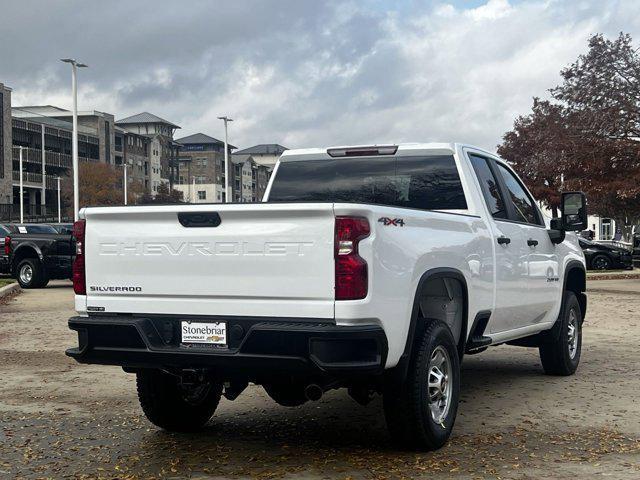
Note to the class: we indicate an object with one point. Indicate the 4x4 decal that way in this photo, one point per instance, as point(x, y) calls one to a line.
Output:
point(393, 222)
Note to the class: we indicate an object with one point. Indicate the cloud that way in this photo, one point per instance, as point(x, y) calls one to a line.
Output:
point(306, 73)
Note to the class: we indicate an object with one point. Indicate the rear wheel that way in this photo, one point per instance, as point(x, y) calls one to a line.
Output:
point(562, 355)
point(31, 274)
point(422, 415)
point(174, 406)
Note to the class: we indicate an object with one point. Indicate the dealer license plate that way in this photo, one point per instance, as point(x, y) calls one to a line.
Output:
point(206, 333)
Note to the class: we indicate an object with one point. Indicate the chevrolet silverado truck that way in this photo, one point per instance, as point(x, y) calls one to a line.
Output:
point(372, 268)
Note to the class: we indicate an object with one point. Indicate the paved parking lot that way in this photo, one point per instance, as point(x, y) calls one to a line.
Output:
point(58, 418)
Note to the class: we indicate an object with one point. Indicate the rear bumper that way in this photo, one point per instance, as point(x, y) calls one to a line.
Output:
point(256, 345)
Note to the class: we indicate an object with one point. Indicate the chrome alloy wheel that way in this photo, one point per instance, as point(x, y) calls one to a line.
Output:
point(439, 384)
point(573, 333)
point(26, 274)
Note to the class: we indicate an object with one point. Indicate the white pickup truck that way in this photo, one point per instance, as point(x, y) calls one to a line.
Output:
point(370, 268)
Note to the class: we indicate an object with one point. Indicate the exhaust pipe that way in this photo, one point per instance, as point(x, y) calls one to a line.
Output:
point(313, 392)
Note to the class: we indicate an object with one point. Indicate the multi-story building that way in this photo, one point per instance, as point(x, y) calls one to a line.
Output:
point(46, 145)
point(249, 178)
point(136, 151)
point(163, 148)
point(100, 124)
point(200, 174)
point(266, 154)
point(6, 190)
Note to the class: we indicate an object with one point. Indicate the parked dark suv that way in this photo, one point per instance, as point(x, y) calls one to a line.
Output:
point(605, 257)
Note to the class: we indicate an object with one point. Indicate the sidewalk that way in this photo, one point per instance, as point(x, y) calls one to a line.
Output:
point(624, 286)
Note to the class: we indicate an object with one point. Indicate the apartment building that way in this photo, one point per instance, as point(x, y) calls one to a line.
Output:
point(164, 149)
point(266, 154)
point(135, 151)
point(249, 178)
point(6, 190)
point(100, 124)
point(200, 169)
point(46, 145)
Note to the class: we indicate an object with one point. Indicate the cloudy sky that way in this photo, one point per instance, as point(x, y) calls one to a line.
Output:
point(306, 73)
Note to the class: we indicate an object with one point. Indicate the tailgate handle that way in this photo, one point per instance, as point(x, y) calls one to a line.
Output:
point(199, 219)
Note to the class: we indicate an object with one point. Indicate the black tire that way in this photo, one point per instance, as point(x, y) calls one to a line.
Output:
point(601, 262)
point(561, 356)
point(287, 395)
point(408, 414)
point(30, 273)
point(170, 406)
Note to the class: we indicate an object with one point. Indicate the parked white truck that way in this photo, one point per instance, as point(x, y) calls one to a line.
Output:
point(371, 268)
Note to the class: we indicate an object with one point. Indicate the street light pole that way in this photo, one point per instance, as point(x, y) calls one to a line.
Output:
point(74, 94)
point(59, 214)
point(21, 191)
point(227, 186)
point(124, 165)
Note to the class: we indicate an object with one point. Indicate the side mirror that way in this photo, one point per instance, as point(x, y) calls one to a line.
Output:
point(574, 211)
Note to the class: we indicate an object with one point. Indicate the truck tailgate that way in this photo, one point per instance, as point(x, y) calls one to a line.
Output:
point(261, 260)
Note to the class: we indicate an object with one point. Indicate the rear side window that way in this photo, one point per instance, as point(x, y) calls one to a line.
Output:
point(427, 182)
point(489, 187)
point(525, 209)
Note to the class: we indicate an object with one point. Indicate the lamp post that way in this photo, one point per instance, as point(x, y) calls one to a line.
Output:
point(227, 186)
point(74, 94)
point(59, 214)
point(124, 166)
point(21, 191)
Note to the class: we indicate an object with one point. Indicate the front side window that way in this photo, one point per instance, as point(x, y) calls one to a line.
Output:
point(525, 209)
point(425, 182)
point(489, 187)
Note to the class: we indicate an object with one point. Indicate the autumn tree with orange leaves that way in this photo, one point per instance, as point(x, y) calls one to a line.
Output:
point(100, 184)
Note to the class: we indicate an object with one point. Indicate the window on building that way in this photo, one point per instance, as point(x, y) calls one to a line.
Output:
point(606, 229)
point(202, 195)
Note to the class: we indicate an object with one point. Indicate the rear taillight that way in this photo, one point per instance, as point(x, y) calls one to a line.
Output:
point(7, 245)
point(79, 281)
point(350, 268)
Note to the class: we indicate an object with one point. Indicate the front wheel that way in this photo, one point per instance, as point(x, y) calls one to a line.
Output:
point(561, 356)
point(601, 262)
point(174, 406)
point(422, 414)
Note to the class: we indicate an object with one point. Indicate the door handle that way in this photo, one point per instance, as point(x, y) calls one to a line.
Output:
point(532, 243)
point(504, 240)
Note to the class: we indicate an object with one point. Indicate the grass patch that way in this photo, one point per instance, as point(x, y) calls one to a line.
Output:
point(6, 281)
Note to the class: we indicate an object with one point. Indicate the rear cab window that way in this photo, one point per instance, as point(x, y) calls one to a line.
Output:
point(426, 182)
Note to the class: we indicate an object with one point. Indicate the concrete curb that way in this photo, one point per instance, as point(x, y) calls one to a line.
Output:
point(9, 290)
point(618, 276)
